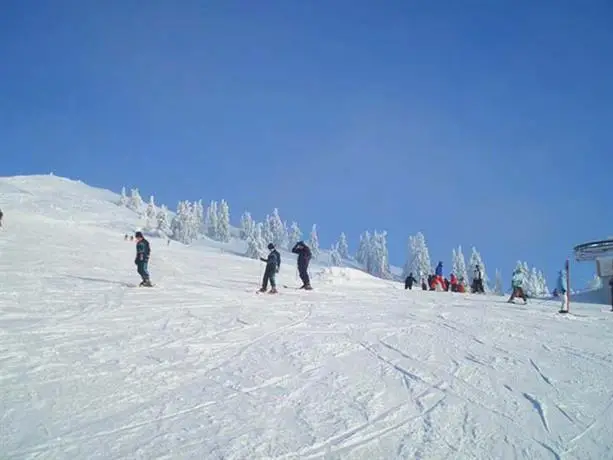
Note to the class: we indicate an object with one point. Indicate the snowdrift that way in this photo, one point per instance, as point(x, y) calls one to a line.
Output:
point(201, 367)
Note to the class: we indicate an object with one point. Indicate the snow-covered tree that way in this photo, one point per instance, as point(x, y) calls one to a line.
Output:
point(247, 225)
point(458, 264)
point(595, 283)
point(255, 243)
point(542, 285)
point(183, 225)
point(162, 220)
point(314, 242)
point(343, 247)
point(294, 235)
point(278, 230)
point(199, 218)
point(335, 258)
point(212, 221)
point(498, 287)
point(151, 212)
point(223, 222)
point(135, 202)
point(475, 259)
point(123, 198)
point(378, 258)
point(418, 260)
point(267, 235)
point(361, 255)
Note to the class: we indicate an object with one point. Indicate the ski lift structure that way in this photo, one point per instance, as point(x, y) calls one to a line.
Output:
point(601, 252)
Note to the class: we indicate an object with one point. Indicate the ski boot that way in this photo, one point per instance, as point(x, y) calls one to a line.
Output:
point(273, 291)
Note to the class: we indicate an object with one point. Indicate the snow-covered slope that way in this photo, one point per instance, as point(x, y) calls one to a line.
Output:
point(201, 367)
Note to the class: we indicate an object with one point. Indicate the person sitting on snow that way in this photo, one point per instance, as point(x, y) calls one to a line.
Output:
point(517, 282)
point(273, 263)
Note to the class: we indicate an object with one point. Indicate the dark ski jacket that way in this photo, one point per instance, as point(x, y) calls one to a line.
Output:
point(273, 262)
point(143, 251)
point(304, 253)
point(409, 281)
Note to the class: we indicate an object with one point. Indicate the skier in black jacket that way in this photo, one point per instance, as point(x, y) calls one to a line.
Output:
point(304, 257)
point(1, 217)
point(143, 252)
point(409, 281)
point(273, 263)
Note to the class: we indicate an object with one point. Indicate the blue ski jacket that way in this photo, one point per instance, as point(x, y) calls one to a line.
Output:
point(439, 269)
point(562, 287)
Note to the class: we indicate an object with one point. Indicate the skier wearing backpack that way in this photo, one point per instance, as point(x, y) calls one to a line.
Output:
point(517, 283)
point(273, 263)
point(304, 257)
point(143, 252)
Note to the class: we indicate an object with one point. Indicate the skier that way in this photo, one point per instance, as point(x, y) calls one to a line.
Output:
point(304, 257)
point(409, 281)
point(562, 291)
point(517, 283)
point(438, 276)
point(453, 282)
point(143, 251)
point(478, 280)
point(1, 217)
point(273, 263)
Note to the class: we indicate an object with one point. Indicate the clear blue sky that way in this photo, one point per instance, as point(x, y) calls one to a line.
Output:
point(478, 123)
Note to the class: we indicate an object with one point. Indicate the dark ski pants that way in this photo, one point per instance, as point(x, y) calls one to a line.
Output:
point(518, 292)
point(142, 267)
point(269, 275)
point(304, 274)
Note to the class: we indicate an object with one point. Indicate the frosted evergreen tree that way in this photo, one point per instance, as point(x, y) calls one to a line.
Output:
point(378, 257)
point(182, 225)
point(211, 221)
point(361, 255)
point(418, 260)
point(123, 198)
point(151, 212)
point(595, 283)
point(532, 285)
point(255, 243)
point(343, 247)
point(223, 222)
point(162, 220)
point(278, 231)
point(294, 235)
point(247, 225)
point(335, 257)
point(199, 218)
point(498, 287)
point(267, 235)
point(475, 259)
point(314, 242)
point(135, 202)
point(542, 282)
point(458, 264)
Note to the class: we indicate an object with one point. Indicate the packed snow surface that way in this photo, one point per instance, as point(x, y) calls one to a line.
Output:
point(200, 367)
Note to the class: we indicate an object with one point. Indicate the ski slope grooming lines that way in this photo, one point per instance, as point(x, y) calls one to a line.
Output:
point(200, 367)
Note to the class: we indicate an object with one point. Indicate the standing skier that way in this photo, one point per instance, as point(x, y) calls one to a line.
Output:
point(1, 217)
point(273, 263)
point(304, 257)
point(409, 281)
point(517, 283)
point(143, 251)
point(563, 291)
point(478, 280)
point(611, 284)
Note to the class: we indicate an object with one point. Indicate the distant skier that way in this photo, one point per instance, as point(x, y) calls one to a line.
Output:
point(1, 217)
point(409, 281)
point(304, 257)
point(611, 284)
point(517, 283)
point(273, 263)
point(143, 252)
point(438, 276)
point(562, 290)
point(478, 280)
point(453, 282)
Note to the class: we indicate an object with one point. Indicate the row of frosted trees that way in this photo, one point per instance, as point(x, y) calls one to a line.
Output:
point(191, 221)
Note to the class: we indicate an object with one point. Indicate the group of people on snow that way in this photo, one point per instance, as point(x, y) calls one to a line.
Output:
point(273, 264)
point(437, 281)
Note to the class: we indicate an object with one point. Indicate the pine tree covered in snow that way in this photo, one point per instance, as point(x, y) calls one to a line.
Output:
point(595, 283)
point(418, 260)
point(378, 258)
point(255, 243)
point(542, 284)
point(498, 287)
point(342, 247)
point(278, 232)
point(198, 217)
point(123, 198)
point(135, 202)
point(314, 242)
point(184, 225)
point(162, 220)
point(247, 225)
point(151, 213)
point(361, 255)
point(294, 235)
point(475, 259)
point(212, 221)
point(223, 222)
point(335, 257)
point(458, 264)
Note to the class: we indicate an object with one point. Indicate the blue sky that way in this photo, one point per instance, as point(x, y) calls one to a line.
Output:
point(478, 123)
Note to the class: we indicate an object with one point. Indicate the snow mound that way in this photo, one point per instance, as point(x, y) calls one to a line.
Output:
point(202, 367)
